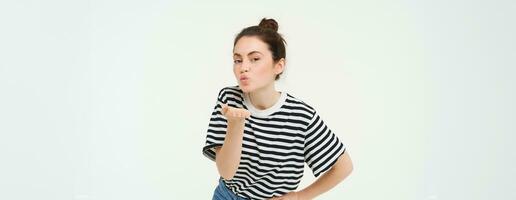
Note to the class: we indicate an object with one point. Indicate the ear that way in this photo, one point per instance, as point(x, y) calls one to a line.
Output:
point(279, 66)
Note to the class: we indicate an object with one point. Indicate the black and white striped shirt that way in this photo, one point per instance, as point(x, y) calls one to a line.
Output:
point(277, 142)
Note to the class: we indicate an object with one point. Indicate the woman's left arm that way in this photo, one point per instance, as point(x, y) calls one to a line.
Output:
point(340, 170)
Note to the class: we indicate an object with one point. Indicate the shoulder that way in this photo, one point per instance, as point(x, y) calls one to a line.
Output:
point(311, 119)
point(296, 104)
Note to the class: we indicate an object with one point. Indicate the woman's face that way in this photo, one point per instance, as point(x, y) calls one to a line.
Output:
point(253, 65)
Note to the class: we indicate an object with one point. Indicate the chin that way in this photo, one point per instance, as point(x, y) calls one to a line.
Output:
point(245, 89)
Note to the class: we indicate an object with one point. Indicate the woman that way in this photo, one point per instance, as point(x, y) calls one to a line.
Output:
point(260, 138)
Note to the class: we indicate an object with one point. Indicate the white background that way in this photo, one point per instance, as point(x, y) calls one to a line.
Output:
point(108, 100)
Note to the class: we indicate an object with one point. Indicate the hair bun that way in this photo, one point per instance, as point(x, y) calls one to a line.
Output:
point(269, 24)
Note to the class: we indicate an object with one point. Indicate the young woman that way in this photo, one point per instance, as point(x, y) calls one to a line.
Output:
point(260, 138)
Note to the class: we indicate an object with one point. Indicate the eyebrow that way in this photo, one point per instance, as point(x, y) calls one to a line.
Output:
point(236, 54)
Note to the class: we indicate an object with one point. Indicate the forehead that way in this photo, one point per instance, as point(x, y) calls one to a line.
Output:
point(246, 45)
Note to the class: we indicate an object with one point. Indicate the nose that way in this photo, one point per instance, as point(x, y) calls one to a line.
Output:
point(244, 68)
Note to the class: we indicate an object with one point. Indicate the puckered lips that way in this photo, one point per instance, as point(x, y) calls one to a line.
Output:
point(244, 79)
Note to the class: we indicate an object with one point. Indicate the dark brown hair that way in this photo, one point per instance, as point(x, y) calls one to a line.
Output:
point(267, 31)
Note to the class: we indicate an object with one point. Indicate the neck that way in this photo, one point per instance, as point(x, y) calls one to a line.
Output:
point(265, 97)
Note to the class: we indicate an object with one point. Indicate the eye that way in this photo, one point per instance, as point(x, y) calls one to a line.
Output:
point(236, 61)
point(256, 59)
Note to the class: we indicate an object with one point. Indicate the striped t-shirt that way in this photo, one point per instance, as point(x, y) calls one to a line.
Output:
point(276, 143)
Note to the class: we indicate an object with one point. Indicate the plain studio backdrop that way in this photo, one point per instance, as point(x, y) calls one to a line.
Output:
point(108, 100)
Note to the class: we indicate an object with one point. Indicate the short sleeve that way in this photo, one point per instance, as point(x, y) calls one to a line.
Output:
point(216, 129)
point(322, 147)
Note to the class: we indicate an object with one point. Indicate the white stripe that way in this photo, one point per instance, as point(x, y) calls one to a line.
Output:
point(289, 150)
point(269, 162)
point(264, 168)
point(267, 155)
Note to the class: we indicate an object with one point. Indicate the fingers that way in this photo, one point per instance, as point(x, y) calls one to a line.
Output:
point(247, 114)
point(242, 113)
point(233, 112)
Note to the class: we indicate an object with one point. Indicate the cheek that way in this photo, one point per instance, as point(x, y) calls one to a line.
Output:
point(235, 70)
point(265, 72)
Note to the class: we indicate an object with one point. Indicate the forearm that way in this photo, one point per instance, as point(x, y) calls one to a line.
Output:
point(228, 157)
point(328, 180)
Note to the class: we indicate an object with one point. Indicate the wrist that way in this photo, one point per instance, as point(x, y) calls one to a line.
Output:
point(236, 122)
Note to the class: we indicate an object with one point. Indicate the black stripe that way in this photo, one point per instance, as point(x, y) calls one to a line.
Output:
point(276, 153)
point(299, 141)
point(277, 119)
point(251, 164)
point(251, 154)
point(261, 144)
point(272, 166)
point(297, 108)
point(278, 132)
point(290, 114)
point(278, 126)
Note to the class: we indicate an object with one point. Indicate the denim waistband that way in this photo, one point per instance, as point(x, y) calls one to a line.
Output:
point(222, 192)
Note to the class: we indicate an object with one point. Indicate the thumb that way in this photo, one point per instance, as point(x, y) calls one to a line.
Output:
point(224, 108)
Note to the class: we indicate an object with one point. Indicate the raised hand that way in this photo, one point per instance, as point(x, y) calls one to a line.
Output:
point(233, 114)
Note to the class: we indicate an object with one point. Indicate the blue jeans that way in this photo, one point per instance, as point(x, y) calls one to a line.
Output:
point(224, 193)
